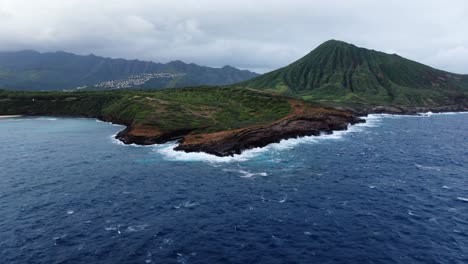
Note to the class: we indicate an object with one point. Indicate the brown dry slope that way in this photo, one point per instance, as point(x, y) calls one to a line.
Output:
point(304, 120)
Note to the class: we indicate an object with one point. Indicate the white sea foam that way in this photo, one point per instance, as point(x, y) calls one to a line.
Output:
point(462, 199)
point(47, 118)
point(248, 174)
point(443, 113)
point(187, 204)
point(428, 114)
point(116, 141)
point(372, 120)
point(168, 152)
point(421, 167)
point(285, 198)
point(136, 228)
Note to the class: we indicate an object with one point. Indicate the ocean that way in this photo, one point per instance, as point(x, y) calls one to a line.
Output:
point(393, 190)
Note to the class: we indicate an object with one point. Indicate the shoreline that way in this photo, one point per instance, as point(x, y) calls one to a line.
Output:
point(168, 150)
point(303, 120)
point(229, 143)
point(298, 124)
point(9, 116)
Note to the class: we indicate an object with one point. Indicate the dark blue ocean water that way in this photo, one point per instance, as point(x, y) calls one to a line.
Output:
point(392, 191)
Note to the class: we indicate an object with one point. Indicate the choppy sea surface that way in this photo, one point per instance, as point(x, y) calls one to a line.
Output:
point(393, 190)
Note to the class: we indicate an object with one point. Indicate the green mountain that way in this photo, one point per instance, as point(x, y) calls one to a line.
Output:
point(31, 70)
point(341, 74)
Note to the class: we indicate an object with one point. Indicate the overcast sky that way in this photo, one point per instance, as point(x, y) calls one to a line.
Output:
point(259, 35)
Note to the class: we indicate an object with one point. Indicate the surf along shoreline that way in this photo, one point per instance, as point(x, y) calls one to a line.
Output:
point(303, 120)
point(9, 116)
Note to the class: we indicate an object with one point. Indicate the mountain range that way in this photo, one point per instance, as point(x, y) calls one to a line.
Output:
point(341, 74)
point(31, 70)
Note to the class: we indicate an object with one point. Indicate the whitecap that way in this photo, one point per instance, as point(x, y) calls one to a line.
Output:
point(136, 228)
point(247, 174)
point(187, 204)
point(421, 167)
point(462, 199)
point(69, 212)
point(285, 198)
point(58, 238)
point(47, 118)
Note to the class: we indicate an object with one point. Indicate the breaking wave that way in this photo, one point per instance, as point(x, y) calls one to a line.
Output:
point(168, 152)
point(373, 120)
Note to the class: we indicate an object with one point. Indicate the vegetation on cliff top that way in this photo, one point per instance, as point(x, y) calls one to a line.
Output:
point(198, 109)
point(339, 73)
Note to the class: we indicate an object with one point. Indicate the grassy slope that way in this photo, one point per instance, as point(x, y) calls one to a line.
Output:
point(342, 74)
point(202, 109)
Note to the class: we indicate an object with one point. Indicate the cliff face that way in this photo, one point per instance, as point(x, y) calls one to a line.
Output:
point(217, 120)
point(228, 143)
point(304, 120)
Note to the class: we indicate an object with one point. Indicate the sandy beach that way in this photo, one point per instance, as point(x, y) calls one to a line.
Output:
point(9, 116)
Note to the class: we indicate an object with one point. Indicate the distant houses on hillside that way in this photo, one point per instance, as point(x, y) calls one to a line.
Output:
point(136, 80)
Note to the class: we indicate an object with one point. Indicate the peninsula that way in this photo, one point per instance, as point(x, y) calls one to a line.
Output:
point(326, 90)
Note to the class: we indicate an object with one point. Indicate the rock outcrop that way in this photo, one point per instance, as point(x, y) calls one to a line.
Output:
point(304, 120)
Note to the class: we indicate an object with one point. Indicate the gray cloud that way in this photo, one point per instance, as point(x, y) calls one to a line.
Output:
point(260, 35)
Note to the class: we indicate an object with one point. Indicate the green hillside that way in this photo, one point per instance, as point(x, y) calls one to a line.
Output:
point(338, 73)
point(197, 109)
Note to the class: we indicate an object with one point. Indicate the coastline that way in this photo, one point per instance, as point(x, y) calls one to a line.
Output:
point(9, 116)
point(299, 123)
point(303, 121)
point(198, 153)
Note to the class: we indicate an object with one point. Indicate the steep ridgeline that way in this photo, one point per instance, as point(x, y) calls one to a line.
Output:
point(31, 70)
point(340, 74)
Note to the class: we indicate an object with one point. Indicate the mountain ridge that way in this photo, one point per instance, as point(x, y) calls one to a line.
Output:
point(33, 70)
